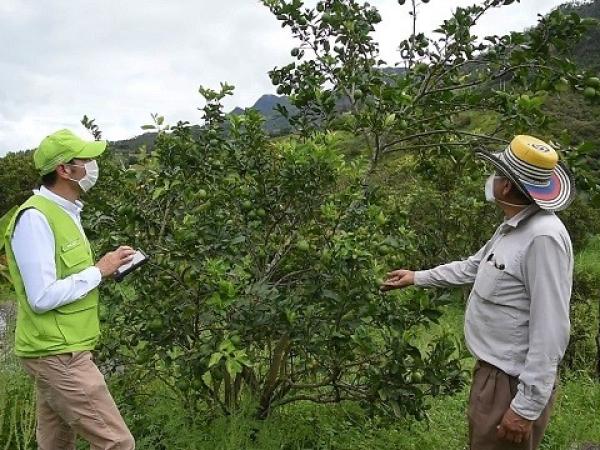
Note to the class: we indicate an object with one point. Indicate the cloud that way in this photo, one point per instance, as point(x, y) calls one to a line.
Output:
point(120, 61)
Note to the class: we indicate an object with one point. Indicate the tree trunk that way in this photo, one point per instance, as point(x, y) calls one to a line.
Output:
point(273, 377)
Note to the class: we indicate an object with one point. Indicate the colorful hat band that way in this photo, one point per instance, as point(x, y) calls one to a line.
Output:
point(530, 174)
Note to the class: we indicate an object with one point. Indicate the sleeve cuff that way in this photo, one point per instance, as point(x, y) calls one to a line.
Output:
point(93, 276)
point(422, 278)
point(527, 408)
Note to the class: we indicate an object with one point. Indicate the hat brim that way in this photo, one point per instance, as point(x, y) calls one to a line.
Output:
point(557, 195)
point(91, 150)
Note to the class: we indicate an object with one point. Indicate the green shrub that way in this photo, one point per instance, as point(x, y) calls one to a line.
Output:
point(582, 353)
point(17, 410)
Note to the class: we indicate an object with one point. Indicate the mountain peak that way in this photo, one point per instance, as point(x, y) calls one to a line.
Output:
point(265, 105)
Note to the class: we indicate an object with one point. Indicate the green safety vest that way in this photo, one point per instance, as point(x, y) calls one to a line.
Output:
point(72, 327)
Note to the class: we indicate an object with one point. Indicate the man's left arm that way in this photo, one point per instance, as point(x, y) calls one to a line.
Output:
point(548, 271)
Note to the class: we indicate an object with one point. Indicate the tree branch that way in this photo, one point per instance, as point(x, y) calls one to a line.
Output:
point(441, 132)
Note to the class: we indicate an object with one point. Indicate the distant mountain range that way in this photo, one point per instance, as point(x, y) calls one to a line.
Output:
point(274, 125)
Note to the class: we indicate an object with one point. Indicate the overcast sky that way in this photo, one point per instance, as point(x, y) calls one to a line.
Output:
point(119, 61)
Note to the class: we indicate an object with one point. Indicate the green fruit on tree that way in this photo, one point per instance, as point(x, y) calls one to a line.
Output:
point(261, 212)
point(303, 245)
point(155, 325)
point(594, 82)
point(416, 377)
point(247, 205)
point(202, 193)
point(589, 92)
point(295, 51)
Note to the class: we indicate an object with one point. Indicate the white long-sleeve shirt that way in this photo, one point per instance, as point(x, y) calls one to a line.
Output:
point(517, 316)
point(33, 247)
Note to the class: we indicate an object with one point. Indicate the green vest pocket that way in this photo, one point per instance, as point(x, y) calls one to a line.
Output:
point(75, 256)
point(78, 325)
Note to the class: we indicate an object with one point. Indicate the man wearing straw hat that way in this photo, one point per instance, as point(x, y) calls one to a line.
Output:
point(517, 317)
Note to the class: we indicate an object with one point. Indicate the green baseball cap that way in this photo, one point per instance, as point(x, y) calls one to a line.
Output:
point(63, 146)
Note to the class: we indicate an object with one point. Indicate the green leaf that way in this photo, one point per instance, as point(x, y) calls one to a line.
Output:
point(226, 346)
point(4, 222)
point(583, 149)
point(233, 367)
point(390, 119)
point(241, 357)
point(215, 358)
point(207, 378)
point(158, 192)
point(330, 294)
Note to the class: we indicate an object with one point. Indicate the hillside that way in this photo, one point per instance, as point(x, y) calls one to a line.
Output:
point(587, 52)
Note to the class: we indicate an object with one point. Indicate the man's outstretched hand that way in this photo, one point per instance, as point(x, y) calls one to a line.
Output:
point(398, 279)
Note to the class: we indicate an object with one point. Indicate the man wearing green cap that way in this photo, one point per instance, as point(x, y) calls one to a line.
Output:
point(56, 283)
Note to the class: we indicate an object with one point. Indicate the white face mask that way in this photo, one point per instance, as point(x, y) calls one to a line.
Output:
point(489, 189)
point(489, 192)
point(92, 172)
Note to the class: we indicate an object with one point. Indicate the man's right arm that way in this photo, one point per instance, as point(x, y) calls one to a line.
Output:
point(457, 273)
point(34, 248)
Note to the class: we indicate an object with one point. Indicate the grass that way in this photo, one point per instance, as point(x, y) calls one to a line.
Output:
point(588, 260)
point(302, 426)
point(158, 420)
point(6, 293)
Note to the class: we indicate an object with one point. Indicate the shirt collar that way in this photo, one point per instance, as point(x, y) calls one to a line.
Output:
point(514, 221)
point(72, 207)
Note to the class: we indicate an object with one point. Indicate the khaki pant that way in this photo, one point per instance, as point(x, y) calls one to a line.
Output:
point(491, 394)
point(72, 399)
